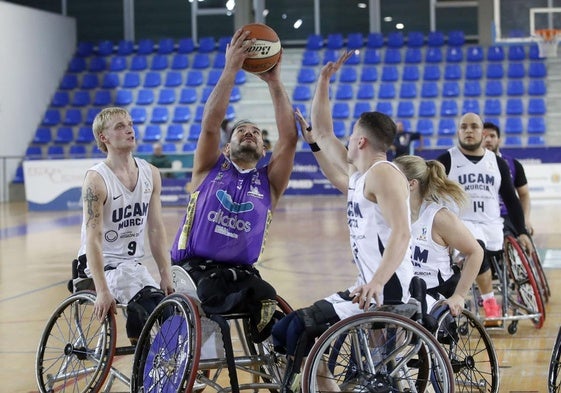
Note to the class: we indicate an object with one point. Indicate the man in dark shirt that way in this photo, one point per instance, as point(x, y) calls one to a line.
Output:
point(402, 144)
point(159, 159)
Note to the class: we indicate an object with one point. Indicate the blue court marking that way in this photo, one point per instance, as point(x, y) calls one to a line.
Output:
point(22, 230)
point(27, 293)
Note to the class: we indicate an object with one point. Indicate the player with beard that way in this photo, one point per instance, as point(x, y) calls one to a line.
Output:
point(486, 179)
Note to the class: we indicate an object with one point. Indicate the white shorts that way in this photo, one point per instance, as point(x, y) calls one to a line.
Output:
point(491, 234)
point(343, 308)
point(127, 279)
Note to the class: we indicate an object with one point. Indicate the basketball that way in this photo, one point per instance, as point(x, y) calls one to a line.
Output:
point(267, 48)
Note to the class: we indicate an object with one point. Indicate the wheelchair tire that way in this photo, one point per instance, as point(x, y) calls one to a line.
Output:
point(76, 349)
point(554, 374)
point(374, 351)
point(168, 349)
point(535, 260)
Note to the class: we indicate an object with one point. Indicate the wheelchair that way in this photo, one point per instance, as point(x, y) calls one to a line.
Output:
point(77, 352)
point(518, 286)
point(170, 354)
point(554, 372)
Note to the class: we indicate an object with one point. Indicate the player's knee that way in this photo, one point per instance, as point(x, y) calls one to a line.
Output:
point(139, 309)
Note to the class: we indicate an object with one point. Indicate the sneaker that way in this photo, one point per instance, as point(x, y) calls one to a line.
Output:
point(492, 310)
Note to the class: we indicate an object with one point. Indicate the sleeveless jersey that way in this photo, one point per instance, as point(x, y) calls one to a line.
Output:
point(431, 261)
point(227, 217)
point(369, 234)
point(481, 181)
point(125, 220)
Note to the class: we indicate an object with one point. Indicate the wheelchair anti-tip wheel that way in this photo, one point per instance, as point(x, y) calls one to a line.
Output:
point(76, 349)
point(377, 352)
point(168, 349)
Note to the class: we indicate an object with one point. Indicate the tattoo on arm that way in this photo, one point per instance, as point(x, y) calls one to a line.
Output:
point(89, 198)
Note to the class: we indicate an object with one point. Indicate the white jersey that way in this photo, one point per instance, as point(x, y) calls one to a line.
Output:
point(481, 181)
point(369, 234)
point(431, 261)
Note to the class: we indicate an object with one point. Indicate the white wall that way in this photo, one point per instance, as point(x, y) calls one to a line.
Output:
point(35, 48)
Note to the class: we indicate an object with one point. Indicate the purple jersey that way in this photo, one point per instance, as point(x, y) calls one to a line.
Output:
point(227, 217)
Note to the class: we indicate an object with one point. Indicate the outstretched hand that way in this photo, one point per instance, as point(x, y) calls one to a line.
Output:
point(237, 49)
point(332, 67)
point(273, 74)
point(304, 126)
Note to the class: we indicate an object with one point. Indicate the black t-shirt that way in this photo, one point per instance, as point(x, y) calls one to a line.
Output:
point(402, 142)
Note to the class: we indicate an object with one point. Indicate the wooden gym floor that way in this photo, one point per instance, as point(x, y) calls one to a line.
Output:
point(306, 258)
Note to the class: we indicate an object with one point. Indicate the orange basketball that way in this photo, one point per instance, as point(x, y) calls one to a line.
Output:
point(267, 48)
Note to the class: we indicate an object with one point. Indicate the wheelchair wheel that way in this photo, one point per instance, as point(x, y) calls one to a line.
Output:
point(529, 297)
point(554, 374)
point(377, 352)
point(76, 349)
point(469, 349)
point(168, 349)
point(536, 262)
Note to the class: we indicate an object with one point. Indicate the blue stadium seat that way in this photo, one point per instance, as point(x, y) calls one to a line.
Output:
point(302, 108)
point(33, 153)
point(194, 78)
point(302, 93)
point(52, 117)
point(341, 110)
point(205, 94)
point(395, 39)
point(445, 142)
point(392, 56)
point(446, 127)
point(230, 113)
point(513, 125)
point(536, 125)
point(492, 107)
point(77, 65)
point(413, 56)
point(405, 109)
point(433, 55)
point(145, 46)
point(365, 91)
point(152, 79)
point(348, 74)
point(77, 151)
point(514, 106)
point(355, 58)
point(516, 70)
point(450, 89)
point(406, 123)
point(236, 94)
point(415, 39)
point(194, 132)
point(536, 140)
point(102, 98)
point(448, 108)
point(42, 136)
point(138, 63)
point(344, 92)
point(118, 63)
point(145, 148)
point(89, 81)
point(223, 42)
point(454, 54)
point(372, 56)
point(179, 61)
point(97, 64)
point(314, 42)
point(85, 135)
point(310, 58)
point(474, 71)
point(330, 55)
point(431, 73)
point(64, 135)
point(355, 40)
point(429, 90)
point(166, 46)
point(456, 38)
point(189, 147)
point(207, 44)
point(536, 106)
point(494, 120)
point(152, 133)
point(69, 82)
point(339, 128)
point(185, 45)
point(410, 73)
point(515, 88)
point(474, 54)
point(166, 97)
point(201, 61)
point(375, 40)
point(125, 47)
point(145, 97)
point(81, 98)
point(173, 79)
point(390, 74)
point(73, 117)
point(213, 76)
point(60, 99)
point(408, 90)
point(386, 91)
point(160, 114)
point(427, 108)
point(159, 62)
point(360, 107)
point(199, 110)
point(85, 49)
point(494, 71)
point(513, 141)
point(334, 41)
point(91, 114)
point(95, 152)
point(188, 95)
point(169, 147)
point(181, 114)
point(138, 115)
point(385, 107)
point(536, 87)
point(110, 80)
point(55, 152)
point(494, 88)
point(537, 69)
point(470, 105)
point(425, 127)
point(369, 74)
point(174, 133)
point(452, 72)
point(240, 77)
point(495, 53)
point(472, 89)
point(516, 53)
point(131, 80)
point(123, 97)
point(306, 75)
